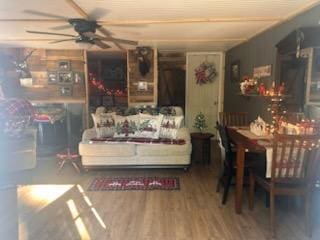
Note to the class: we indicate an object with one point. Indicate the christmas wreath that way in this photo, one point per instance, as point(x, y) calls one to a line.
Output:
point(205, 73)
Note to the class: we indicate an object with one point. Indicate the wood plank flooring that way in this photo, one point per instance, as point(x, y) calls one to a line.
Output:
point(57, 207)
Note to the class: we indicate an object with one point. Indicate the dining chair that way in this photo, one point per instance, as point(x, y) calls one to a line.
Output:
point(293, 168)
point(228, 169)
point(238, 119)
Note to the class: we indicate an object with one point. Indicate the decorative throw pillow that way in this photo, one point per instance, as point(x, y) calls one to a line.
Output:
point(127, 126)
point(169, 126)
point(149, 126)
point(104, 124)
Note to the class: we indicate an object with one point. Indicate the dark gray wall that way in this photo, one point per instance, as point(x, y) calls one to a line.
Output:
point(260, 51)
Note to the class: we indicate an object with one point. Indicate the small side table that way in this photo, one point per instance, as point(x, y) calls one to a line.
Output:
point(201, 146)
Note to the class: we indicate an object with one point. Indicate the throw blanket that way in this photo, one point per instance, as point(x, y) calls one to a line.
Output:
point(140, 140)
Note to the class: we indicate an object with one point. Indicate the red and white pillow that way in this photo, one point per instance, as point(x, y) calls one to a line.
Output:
point(169, 126)
point(149, 125)
point(104, 124)
point(127, 126)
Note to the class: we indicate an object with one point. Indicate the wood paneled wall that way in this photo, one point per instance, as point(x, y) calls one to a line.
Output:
point(136, 97)
point(40, 63)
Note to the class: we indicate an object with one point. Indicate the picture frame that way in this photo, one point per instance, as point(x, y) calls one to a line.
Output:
point(78, 77)
point(142, 86)
point(64, 65)
point(52, 78)
point(65, 78)
point(235, 71)
point(262, 71)
point(66, 91)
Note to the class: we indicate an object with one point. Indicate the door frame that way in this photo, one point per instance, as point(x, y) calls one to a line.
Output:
point(221, 82)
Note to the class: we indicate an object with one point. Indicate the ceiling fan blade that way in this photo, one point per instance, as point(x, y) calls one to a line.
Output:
point(97, 13)
point(62, 27)
point(105, 32)
point(42, 14)
point(118, 40)
point(62, 40)
point(101, 44)
point(50, 33)
point(109, 35)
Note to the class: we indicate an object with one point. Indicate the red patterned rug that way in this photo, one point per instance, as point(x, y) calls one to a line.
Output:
point(134, 183)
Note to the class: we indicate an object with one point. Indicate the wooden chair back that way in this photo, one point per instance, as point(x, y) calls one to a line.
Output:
point(233, 118)
point(294, 158)
point(293, 117)
point(225, 141)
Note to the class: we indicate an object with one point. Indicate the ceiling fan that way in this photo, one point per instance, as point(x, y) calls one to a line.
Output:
point(86, 31)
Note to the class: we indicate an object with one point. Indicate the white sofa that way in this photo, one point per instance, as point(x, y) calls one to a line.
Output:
point(146, 155)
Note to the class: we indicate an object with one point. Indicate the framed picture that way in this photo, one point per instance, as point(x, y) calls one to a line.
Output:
point(78, 77)
point(64, 65)
point(52, 78)
point(142, 86)
point(66, 91)
point(65, 78)
point(235, 71)
point(262, 71)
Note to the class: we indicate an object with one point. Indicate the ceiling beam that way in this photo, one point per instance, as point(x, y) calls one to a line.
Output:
point(144, 22)
point(195, 40)
point(141, 40)
point(34, 20)
point(191, 20)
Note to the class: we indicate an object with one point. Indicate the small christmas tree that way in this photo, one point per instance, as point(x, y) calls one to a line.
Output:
point(200, 122)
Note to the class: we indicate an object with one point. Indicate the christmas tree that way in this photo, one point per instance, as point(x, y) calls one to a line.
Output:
point(200, 122)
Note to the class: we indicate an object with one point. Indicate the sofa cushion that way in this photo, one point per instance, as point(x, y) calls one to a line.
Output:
point(163, 150)
point(104, 124)
point(170, 126)
point(149, 126)
point(127, 126)
point(107, 150)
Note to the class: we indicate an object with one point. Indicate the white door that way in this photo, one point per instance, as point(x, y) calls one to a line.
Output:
point(206, 98)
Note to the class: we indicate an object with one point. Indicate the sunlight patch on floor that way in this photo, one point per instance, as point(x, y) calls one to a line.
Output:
point(81, 228)
point(89, 203)
point(40, 196)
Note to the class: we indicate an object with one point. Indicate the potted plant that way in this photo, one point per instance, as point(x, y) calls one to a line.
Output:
point(200, 122)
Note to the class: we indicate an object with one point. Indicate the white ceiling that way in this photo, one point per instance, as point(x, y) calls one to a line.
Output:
point(186, 25)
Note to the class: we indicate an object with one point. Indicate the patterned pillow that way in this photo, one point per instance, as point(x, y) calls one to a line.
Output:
point(104, 124)
point(149, 126)
point(127, 126)
point(169, 126)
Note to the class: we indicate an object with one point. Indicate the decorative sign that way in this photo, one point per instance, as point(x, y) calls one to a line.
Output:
point(263, 71)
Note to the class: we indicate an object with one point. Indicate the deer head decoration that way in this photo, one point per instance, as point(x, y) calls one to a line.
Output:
point(22, 67)
point(143, 59)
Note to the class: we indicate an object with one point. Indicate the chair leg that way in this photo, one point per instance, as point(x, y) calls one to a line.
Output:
point(307, 216)
point(272, 214)
point(267, 200)
point(251, 191)
point(219, 181)
point(226, 189)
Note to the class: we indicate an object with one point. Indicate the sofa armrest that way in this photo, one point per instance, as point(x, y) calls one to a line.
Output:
point(88, 134)
point(183, 133)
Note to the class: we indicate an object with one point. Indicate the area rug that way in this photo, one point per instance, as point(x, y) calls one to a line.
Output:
point(134, 183)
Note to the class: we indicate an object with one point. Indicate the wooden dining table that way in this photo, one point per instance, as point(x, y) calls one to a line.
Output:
point(243, 141)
